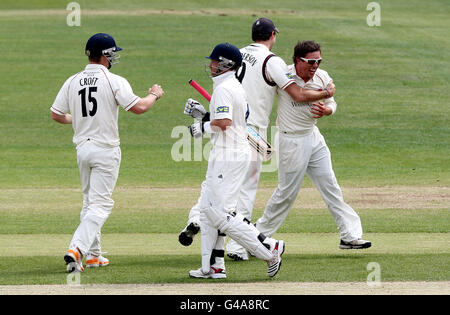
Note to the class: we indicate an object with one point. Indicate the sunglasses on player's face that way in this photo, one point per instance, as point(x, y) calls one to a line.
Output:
point(312, 61)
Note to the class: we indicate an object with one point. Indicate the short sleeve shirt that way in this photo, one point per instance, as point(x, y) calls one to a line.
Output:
point(93, 97)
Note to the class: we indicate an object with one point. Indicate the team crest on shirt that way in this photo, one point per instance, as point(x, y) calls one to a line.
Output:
point(222, 109)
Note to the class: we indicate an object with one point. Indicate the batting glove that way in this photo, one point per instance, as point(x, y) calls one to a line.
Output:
point(196, 129)
point(194, 109)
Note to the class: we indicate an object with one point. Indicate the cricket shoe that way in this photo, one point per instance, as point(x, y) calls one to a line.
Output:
point(355, 244)
point(274, 265)
point(96, 261)
point(238, 256)
point(187, 235)
point(73, 259)
point(214, 273)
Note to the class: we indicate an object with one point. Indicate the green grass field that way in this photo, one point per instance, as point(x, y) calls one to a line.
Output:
point(389, 139)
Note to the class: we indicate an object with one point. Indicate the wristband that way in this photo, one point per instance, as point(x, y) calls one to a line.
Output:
point(328, 92)
point(157, 97)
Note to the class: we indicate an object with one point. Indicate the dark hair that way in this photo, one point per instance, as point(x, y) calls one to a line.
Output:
point(261, 35)
point(262, 29)
point(303, 48)
point(95, 58)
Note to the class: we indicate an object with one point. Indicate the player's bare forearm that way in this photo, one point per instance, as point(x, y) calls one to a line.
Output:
point(62, 119)
point(299, 94)
point(223, 124)
point(145, 103)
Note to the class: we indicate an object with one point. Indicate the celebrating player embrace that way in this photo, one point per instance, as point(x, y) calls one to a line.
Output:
point(302, 150)
point(261, 74)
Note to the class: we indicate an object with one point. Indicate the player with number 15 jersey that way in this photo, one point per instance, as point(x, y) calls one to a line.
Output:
point(93, 97)
point(90, 100)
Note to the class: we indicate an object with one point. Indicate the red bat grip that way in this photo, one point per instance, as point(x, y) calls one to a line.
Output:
point(199, 89)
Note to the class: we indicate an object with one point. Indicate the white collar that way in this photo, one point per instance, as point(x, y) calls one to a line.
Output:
point(222, 77)
point(92, 66)
point(260, 46)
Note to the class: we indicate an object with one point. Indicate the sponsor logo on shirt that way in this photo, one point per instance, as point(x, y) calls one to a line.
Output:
point(222, 109)
point(289, 75)
point(295, 104)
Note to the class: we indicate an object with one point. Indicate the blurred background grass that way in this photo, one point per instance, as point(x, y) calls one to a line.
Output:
point(392, 82)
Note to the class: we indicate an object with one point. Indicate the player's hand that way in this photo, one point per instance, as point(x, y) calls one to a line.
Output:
point(194, 109)
point(196, 129)
point(156, 90)
point(331, 88)
point(318, 109)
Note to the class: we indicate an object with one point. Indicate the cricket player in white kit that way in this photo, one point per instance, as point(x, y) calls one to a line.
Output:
point(227, 166)
point(261, 74)
point(302, 150)
point(90, 101)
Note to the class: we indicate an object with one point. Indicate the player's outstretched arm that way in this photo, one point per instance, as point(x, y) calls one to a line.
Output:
point(144, 104)
point(299, 94)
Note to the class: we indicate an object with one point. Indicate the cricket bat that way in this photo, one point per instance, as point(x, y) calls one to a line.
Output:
point(255, 140)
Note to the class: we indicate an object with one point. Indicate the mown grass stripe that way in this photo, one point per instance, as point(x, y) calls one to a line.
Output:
point(166, 244)
point(174, 269)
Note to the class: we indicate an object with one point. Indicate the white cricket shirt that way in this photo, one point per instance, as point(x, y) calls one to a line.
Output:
point(264, 72)
point(93, 97)
point(296, 117)
point(228, 101)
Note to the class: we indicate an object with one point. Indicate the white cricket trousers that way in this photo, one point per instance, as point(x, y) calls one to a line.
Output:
point(218, 202)
point(99, 169)
point(248, 190)
point(246, 197)
point(300, 155)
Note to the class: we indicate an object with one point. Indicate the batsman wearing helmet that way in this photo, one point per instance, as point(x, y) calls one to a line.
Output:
point(90, 101)
point(228, 163)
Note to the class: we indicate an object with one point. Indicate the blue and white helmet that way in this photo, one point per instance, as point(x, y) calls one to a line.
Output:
point(103, 44)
